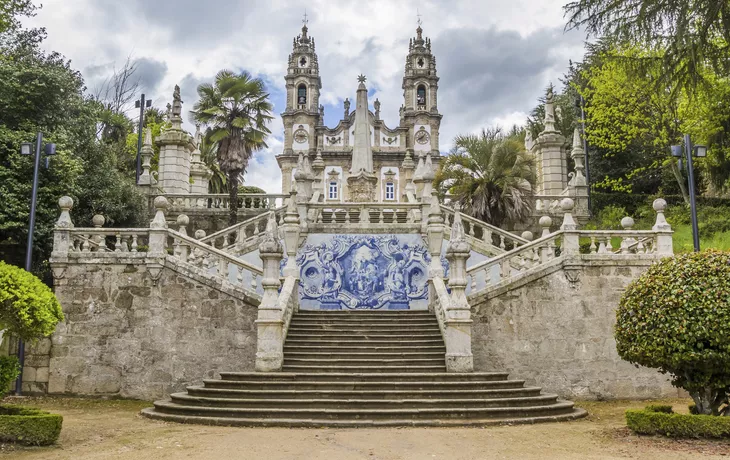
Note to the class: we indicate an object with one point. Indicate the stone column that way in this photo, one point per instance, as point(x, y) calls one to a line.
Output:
point(457, 330)
point(571, 243)
point(157, 251)
point(291, 231)
point(62, 239)
point(549, 149)
point(174, 166)
point(270, 323)
point(578, 184)
point(664, 243)
point(435, 234)
point(147, 152)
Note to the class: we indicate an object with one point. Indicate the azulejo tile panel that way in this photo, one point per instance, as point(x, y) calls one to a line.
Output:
point(363, 272)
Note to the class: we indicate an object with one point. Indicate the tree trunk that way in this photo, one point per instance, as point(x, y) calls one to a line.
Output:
point(233, 197)
point(708, 401)
point(680, 180)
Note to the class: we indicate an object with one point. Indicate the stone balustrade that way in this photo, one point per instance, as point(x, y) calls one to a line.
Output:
point(243, 236)
point(485, 238)
point(191, 202)
point(84, 241)
point(364, 213)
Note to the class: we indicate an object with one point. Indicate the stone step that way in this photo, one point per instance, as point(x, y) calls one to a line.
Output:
point(386, 325)
point(366, 377)
point(363, 362)
point(380, 368)
point(356, 355)
point(264, 392)
point(360, 342)
point(371, 332)
point(330, 403)
point(360, 423)
point(558, 408)
point(361, 386)
point(375, 336)
point(363, 349)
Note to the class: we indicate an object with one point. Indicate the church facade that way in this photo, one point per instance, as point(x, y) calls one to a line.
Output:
point(361, 159)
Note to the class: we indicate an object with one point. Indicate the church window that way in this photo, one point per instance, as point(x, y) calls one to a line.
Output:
point(333, 192)
point(390, 191)
point(302, 95)
point(421, 95)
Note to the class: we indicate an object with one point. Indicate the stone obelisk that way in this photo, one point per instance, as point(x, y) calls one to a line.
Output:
point(362, 180)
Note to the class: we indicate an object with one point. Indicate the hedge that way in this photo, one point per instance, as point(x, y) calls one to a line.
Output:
point(656, 420)
point(26, 425)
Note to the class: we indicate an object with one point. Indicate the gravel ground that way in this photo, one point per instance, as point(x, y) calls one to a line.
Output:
point(113, 429)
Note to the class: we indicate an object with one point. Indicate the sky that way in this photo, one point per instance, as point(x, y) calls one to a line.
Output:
point(494, 57)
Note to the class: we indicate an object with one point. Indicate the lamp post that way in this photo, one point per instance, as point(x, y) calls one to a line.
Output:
point(27, 149)
point(141, 104)
point(698, 151)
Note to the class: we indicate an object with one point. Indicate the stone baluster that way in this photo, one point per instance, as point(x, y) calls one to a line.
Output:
point(117, 242)
point(457, 324)
point(291, 231)
point(381, 216)
point(663, 244)
point(627, 242)
point(270, 324)
point(545, 223)
point(183, 249)
point(347, 215)
point(99, 240)
point(593, 247)
point(364, 215)
point(571, 238)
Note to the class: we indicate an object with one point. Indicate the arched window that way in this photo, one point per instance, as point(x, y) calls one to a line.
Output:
point(390, 191)
point(302, 95)
point(421, 96)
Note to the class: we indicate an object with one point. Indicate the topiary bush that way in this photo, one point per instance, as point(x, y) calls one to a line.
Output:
point(29, 426)
point(676, 318)
point(652, 421)
point(9, 371)
point(28, 308)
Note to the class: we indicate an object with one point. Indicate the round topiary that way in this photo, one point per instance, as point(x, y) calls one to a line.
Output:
point(676, 317)
point(28, 308)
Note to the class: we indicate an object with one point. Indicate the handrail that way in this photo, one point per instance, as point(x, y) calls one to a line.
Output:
point(384, 205)
point(487, 230)
point(84, 237)
point(234, 228)
point(531, 246)
point(217, 252)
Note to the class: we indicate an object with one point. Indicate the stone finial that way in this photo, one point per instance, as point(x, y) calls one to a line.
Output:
point(200, 234)
point(318, 163)
point(529, 141)
point(270, 242)
point(528, 235)
point(627, 223)
point(567, 205)
point(66, 203)
point(176, 118)
point(292, 215)
point(457, 239)
point(182, 222)
point(347, 107)
point(545, 223)
point(161, 204)
point(147, 152)
point(300, 174)
point(408, 160)
point(578, 155)
point(434, 210)
point(98, 221)
point(660, 205)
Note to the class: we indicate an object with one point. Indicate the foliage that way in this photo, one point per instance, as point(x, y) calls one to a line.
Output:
point(28, 308)
point(694, 33)
point(10, 10)
point(9, 372)
point(26, 425)
point(235, 110)
point(255, 202)
point(676, 317)
point(655, 420)
point(491, 176)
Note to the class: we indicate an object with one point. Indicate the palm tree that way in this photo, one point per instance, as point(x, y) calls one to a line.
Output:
point(490, 175)
point(235, 110)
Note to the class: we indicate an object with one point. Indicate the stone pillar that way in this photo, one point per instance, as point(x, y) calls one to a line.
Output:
point(199, 173)
point(435, 235)
point(571, 243)
point(549, 148)
point(147, 152)
point(418, 179)
point(457, 324)
point(303, 178)
point(62, 240)
point(270, 323)
point(157, 251)
point(578, 184)
point(174, 166)
point(291, 231)
point(318, 172)
point(664, 244)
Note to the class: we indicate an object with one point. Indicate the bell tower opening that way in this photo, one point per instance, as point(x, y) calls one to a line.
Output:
point(302, 96)
point(421, 97)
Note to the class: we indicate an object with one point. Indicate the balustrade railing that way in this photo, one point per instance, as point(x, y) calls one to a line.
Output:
point(479, 231)
point(618, 242)
point(109, 240)
point(548, 204)
point(242, 233)
point(191, 203)
point(364, 213)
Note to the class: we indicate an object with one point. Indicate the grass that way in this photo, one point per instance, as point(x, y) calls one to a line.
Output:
point(683, 241)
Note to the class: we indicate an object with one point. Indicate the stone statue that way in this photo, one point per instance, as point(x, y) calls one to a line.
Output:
point(550, 111)
point(529, 141)
point(377, 109)
point(321, 111)
point(176, 102)
point(347, 107)
point(168, 113)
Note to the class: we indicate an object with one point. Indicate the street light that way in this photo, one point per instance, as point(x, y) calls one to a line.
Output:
point(699, 151)
point(26, 148)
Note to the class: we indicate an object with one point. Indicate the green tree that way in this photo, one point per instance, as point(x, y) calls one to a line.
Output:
point(676, 318)
point(235, 110)
point(694, 34)
point(491, 176)
point(11, 10)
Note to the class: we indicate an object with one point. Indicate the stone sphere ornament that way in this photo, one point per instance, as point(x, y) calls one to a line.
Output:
point(183, 220)
point(161, 203)
point(659, 205)
point(199, 234)
point(627, 223)
point(98, 220)
point(567, 204)
point(66, 203)
point(546, 222)
point(527, 235)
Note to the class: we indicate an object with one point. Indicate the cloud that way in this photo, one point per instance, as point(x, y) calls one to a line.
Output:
point(150, 73)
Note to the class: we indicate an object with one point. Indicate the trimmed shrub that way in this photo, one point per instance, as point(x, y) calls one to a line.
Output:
point(677, 425)
point(9, 371)
point(660, 408)
point(28, 308)
point(676, 318)
point(29, 426)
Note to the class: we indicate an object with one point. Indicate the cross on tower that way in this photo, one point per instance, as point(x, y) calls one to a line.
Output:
point(305, 21)
point(418, 15)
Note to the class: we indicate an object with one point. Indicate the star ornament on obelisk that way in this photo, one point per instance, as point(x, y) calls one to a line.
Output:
point(362, 78)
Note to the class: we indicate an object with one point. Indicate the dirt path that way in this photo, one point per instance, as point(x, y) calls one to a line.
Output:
point(95, 429)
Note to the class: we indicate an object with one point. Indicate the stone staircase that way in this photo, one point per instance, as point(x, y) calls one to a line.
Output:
point(363, 368)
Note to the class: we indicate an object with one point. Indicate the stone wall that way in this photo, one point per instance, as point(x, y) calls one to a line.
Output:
point(127, 336)
point(559, 335)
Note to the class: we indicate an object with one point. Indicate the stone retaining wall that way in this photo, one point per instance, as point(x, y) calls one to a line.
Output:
point(127, 336)
point(558, 334)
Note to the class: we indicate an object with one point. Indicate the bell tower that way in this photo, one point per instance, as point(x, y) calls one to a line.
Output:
point(420, 92)
point(302, 114)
